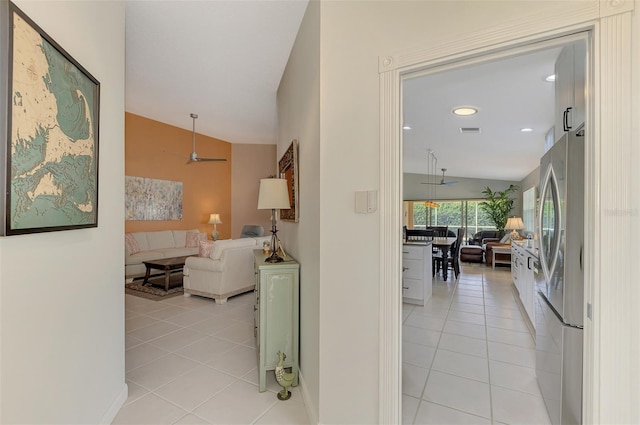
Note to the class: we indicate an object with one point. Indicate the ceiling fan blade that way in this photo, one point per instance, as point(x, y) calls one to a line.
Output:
point(194, 156)
point(449, 183)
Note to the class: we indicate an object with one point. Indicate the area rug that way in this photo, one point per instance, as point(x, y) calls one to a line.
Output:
point(152, 292)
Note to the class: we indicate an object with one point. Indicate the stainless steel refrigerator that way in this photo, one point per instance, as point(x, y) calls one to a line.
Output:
point(560, 285)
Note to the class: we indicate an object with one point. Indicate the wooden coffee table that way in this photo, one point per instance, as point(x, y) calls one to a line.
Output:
point(166, 264)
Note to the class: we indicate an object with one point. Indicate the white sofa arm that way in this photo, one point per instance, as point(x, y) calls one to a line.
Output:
point(203, 263)
point(219, 279)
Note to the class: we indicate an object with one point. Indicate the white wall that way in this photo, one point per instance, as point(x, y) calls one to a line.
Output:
point(353, 37)
point(61, 293)
point(299, 118)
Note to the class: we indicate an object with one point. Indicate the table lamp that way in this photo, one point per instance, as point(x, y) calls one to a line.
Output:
point(514, 224)
point(274, 194)
point(215, 220)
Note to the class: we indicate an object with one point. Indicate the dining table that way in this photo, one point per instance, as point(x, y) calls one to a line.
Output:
point(444, 245)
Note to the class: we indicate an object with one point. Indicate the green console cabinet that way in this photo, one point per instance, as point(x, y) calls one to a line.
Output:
point(276, 314)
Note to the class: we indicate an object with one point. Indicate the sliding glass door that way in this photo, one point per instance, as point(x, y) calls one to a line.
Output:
point(454, 213)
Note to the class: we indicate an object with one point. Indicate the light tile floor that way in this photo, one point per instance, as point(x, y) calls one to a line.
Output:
point(468, 356)
point(191, 361)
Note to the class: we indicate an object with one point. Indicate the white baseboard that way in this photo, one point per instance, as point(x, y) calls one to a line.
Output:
point(115, 407)
point(311, 408)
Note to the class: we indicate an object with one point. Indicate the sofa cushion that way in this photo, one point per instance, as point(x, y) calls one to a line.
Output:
point(180, 237)
point(178, 252)
point(204, 248)
point(141, 256)
point(220, 246)
point(162, 239)
point(131, 244)
point(194, 238)
point(141, 239)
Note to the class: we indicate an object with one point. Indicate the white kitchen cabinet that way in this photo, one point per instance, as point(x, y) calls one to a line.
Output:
point(416, 273)
point(569, 89)
point(522, 265)
point(276, 314)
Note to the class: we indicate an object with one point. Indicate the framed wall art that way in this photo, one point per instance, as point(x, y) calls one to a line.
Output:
point(288, 169)
point(52, 134)
point(152, 199)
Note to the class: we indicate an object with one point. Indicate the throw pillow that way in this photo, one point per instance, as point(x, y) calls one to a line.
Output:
point(131, 244)
point(194, 239)
point(205, 248)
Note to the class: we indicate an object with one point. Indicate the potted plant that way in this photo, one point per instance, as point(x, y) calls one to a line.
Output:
point(498, 205)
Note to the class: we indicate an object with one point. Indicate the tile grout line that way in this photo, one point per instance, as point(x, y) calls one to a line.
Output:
point(484, 304)
point(421, 399)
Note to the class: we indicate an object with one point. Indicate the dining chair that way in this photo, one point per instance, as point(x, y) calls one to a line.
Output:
point(418, 235)
point(439, 231)
point(453, 256)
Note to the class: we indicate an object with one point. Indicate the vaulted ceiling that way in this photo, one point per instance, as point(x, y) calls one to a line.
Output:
point(224, 61)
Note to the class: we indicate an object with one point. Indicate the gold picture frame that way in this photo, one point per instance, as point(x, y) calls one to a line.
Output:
point(288, 169)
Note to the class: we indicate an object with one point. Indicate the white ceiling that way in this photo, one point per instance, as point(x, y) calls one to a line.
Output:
point(509, 94)
point(222, 60)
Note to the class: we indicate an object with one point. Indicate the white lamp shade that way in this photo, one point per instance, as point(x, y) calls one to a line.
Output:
point(514, 223)
point(274, 194)
point(215, 219)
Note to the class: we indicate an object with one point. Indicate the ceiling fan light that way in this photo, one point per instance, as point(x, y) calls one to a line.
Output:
point(465, 111)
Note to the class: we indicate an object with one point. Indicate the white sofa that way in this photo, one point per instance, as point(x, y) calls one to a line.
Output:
point(227, 271)
point(153, 246)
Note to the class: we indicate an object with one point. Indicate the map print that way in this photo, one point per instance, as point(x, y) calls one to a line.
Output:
point(53, 174)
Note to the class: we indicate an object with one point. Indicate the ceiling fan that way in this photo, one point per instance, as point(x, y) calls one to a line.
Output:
point(442, 182)
point(194, 156)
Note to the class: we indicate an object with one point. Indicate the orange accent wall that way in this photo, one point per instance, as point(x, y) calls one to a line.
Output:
point(160, 151)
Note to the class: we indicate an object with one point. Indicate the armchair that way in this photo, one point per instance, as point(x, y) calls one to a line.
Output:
point(477, 238)
point(251, 231)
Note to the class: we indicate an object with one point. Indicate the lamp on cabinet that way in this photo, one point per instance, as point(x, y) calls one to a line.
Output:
point(273, 195)
point(514, 224)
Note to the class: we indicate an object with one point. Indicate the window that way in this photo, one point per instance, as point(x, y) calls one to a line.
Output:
point(529, 209)
point(452, 213)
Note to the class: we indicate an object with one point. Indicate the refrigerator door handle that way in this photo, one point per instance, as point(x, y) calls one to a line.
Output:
point(581, 249)
point(548, 265)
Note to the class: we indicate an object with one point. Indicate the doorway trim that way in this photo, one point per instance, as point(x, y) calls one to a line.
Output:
point(608, 196)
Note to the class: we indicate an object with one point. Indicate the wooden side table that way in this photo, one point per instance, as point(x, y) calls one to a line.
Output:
point(500, 250)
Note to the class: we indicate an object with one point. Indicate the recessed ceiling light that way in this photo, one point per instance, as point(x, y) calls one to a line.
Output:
point(526, 130)
point(464, 111)
point(406, 127)
point(550, 78)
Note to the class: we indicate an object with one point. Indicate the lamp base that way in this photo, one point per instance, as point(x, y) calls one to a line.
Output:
point(514, 235)
point(274, 258)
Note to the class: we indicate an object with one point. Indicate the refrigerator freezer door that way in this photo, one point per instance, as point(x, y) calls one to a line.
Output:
point(549, 358)
point(558, 365)
point(572, 375)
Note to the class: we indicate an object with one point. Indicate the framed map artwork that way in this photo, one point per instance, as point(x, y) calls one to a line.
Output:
point(288, 169)
point(52, 134)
